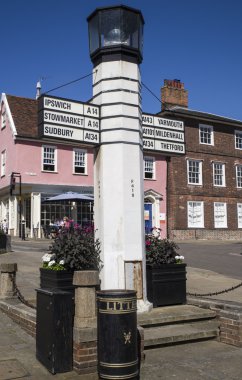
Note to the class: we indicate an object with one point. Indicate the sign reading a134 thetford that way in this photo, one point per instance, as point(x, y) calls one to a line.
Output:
point(163, 135)
point(66, 119)
point(70, 120)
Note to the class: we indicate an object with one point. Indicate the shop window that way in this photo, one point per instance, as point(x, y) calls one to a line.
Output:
point(149, 167)
point(220, 215)
point(80, 161)
point(239, 214)
point(195, 212)
point(49, 158)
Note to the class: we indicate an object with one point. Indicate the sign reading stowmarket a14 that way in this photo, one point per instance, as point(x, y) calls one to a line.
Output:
point(67, 119)
point(163, 135)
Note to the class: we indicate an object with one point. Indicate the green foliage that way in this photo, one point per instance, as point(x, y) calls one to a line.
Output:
point(76, 248)
point(160, 251)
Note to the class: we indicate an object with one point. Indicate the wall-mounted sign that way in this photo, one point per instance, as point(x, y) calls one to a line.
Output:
point(64, 119)
point(163, 135)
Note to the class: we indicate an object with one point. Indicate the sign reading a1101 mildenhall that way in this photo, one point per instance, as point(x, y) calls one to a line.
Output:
point(163, 135)
point(64, 119)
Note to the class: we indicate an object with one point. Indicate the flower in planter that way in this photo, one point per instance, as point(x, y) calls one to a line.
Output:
point(161, 251)
point(74, 248)
point(50, 263)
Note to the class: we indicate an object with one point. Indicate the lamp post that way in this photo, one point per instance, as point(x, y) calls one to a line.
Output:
point(115, 41)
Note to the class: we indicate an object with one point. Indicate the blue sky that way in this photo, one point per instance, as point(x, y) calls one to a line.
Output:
point(196, 41)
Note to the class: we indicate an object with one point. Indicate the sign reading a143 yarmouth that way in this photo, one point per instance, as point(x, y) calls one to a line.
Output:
point(71, 120)
point(163, 135)
point(67, 119)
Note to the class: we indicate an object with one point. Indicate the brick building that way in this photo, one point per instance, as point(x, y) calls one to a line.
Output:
point(204, 189)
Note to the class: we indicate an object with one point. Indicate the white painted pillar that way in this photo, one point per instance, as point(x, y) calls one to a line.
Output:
point(35, 213)
point(119, 194)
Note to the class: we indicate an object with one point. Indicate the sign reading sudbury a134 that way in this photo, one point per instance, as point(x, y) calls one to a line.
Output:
point(163, 135)
point(65, 119)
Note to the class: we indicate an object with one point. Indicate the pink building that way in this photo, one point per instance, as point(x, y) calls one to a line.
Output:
point(49, 167)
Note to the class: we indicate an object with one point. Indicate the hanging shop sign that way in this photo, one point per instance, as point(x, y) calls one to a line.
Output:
point(163, 135)
point(67, 119)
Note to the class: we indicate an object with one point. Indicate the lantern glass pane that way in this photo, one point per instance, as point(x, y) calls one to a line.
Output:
point(94, 34)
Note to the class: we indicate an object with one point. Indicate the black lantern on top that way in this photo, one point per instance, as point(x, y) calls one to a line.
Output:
point(116, 33)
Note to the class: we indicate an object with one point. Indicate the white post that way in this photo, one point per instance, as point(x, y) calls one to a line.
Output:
point(115, 40)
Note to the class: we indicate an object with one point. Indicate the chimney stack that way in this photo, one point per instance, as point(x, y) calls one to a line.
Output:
point(38, 90)
point(173, 94)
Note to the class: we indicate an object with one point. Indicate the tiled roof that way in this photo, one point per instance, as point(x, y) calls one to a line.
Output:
point(180, 111)
point(25, 115)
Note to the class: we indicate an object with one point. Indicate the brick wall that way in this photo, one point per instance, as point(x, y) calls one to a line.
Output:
point(229, 316)
point(179, 192)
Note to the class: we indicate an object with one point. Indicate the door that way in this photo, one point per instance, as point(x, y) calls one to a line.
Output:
point(148, 217)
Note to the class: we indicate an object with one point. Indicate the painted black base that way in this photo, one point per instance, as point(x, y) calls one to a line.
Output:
point(166, 284)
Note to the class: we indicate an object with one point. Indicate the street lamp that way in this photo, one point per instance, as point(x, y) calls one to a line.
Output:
point(116, 33)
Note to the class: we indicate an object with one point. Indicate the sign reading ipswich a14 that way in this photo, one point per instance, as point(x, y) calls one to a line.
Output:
point(163, 135)
point(67, 119)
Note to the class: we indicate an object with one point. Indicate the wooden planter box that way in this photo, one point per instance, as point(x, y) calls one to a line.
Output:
point(56, 279)
point(166, 284)
point(5, 243)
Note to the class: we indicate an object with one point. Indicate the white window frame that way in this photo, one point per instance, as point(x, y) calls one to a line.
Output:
point(3, 163)
point(238, 169)
point(206, 133)
point(151, 160)
point(3, 119)
point(219, 174)
point(55, 158)
point(238, 139)
point(197, 173)
point(239, 214)
point(220, 215)
point(195, 214)
point(82, 152)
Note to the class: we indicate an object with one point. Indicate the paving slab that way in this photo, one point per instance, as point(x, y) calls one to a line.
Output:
point(12, 369)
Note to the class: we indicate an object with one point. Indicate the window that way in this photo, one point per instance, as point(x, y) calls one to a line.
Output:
point(218, 174)
point(3, 119)
point(49, 158)
point(80, 161)
point(239, 176)
point(239, 214)
point(149, 167)
point(238, 139)
point(3, 163)
point(220, 215)
point(195, 214)
point(194, 172)
point(206, 134)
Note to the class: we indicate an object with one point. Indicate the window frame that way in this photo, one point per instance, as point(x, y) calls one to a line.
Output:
point(150, 158)
point(239, 205)
point(238, 178)
point(237, 132)
point(190, 224)
point(3, 119)
point(83, 151)
point(3, 162)
point(55, 158)
point(210, 134)
point(221, 175)
point(225, 222)
point(200, 179)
